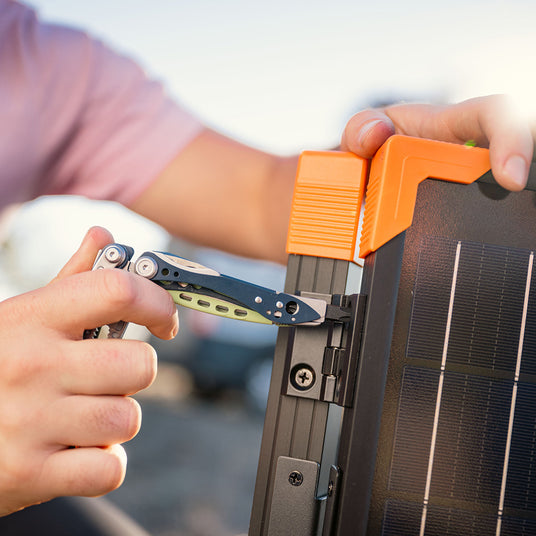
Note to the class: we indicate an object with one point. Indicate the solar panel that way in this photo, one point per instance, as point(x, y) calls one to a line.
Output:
point(457, 444)
point(483, 331)
point(437, 430)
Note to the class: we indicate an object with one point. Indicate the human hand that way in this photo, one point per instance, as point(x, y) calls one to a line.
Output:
point(488, 121)
point(58, 390)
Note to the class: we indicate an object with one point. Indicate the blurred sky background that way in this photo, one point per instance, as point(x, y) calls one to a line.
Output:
point(284, 76)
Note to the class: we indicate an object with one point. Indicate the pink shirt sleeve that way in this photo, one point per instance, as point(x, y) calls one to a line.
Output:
point(82, 119)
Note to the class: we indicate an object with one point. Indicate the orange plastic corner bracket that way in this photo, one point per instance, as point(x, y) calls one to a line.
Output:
point(396, 171)
point(326, 206)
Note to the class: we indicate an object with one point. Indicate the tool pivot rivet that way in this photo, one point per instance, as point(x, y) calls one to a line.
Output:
point(114, 254)
point(146, 267)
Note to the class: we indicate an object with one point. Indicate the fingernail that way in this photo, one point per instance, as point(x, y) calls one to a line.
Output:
point(516, 170)
point(365, 130)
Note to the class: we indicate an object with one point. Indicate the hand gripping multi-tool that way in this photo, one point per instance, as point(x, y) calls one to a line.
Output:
point(198, 287)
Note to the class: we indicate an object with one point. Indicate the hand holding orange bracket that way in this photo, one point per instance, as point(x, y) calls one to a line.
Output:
point(330, 188)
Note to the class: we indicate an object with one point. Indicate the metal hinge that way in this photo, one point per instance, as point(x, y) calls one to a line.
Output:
point(323, 360)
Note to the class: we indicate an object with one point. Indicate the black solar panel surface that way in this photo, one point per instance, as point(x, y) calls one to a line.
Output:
point(465, 438)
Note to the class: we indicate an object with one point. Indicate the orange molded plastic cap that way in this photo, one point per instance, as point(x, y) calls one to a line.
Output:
point(397, 169)
point(327, 201)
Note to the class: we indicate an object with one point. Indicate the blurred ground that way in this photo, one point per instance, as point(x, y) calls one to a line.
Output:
point(192, 467)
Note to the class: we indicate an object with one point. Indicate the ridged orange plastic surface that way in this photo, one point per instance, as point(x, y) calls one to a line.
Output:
point(397, 169)
point(327, 201)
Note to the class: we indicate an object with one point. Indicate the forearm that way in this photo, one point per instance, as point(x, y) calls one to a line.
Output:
point(223, 194)
point(220, 193)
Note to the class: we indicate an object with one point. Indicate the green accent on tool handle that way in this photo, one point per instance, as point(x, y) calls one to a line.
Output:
point(215, 306)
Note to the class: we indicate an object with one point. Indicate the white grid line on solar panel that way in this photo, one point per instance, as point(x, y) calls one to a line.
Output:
point(514, 395)
point(439, 390)
point(496, 317)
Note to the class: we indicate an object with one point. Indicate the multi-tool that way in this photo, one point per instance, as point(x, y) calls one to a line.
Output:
point(198, 287)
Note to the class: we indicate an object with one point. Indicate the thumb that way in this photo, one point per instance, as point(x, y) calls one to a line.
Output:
point(96, 238)
point(366, 132)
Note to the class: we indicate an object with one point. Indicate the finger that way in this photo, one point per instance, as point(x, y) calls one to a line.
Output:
point(92, 421)
point(87, 472)
point(366, 132)
point(92, 299)
point(96, 238)
point(107, 367)
point(510, 143)
point(489, 121)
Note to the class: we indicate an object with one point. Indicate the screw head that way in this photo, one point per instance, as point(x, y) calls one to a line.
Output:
point(304, 378)
point(146, 267)
point(295, 478)
point(114, 254)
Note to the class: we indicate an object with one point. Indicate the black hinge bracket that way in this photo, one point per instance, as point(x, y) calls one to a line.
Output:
point(322, 361)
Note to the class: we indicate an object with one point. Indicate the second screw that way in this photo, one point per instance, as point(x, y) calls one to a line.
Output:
point(303, 377)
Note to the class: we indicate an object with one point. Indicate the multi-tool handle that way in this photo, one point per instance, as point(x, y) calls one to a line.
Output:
point(198, 287)
point(111, 256)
